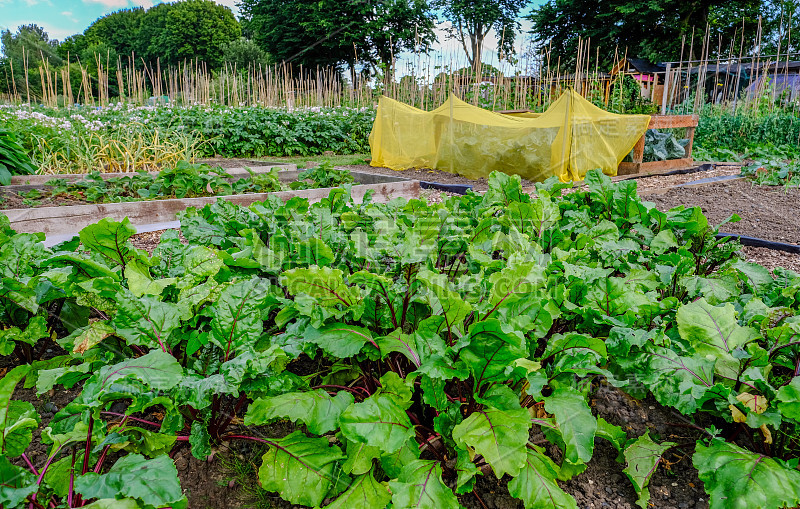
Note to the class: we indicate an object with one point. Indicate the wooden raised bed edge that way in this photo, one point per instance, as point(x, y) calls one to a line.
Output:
point(73, 218)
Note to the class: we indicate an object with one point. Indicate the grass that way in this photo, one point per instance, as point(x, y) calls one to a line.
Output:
point(336, 160)
point(241, 470)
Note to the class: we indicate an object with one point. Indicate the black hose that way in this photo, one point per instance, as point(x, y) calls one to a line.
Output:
point(450, 188)
point(756, 242)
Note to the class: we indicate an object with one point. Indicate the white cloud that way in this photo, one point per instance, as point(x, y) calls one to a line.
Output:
point(111, 4)
point(70, 16)
point(120, 4)
point(229, 3)
point(54, 32)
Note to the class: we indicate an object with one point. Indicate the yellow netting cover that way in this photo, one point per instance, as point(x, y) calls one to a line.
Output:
point(572, 137)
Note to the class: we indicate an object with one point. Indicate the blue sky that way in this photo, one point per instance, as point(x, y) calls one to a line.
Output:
point(62, 18)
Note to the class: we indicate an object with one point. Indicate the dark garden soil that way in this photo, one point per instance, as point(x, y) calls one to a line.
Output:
point(767, 212)
point(14, 201)
point(426, 175)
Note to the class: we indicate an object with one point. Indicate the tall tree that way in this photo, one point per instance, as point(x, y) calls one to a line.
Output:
point(654, 29)
point(338, 33)
point(199, 29)
point(151, 37)
point(243, 52)
point(117, 30)
point(472, 20)
point(29, 47)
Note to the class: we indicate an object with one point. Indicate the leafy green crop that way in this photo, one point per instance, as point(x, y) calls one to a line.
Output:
point(13, 158)
point(186, 180)
point(414, 346)
point(773, 172)
point(324, 175)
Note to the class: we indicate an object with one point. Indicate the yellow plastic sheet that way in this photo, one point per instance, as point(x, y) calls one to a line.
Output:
point(572, 137)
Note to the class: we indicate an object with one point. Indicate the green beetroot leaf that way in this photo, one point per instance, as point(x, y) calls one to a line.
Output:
point(154, 482)
point(324, 284)
point(110, 239)
point(300, 468)
point(575, 422)
point(36, 330)
point(467, 471)
point(536, 484)
point(237, 322)
point(714, 331)
point(17, 418)
point(359, 458)
point(318, 410)
point(339, 339)
point(736, 478)
point(491, 351)
point(396, 341)
point(789, 399)
point(394, 462)
point(146, 321)
point(497, 435)
point(113, 503)
point(511, 284)
point(420, 486)
point(378, 421)
point(679, 382)
point(140, 282)
point(156, 369)
point(444, 301)
point(16, 484)
point(19, 293)
point(642, 457)
point(364, 492)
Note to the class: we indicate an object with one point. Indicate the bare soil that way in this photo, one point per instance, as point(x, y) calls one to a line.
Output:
point(443, 177)
point(766, 212)
point(14, 201)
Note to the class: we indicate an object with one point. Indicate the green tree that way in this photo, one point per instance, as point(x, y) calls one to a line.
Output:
point(198, 29)
point(71, 47)
point(244, 52)
point(472, 20)
point(653, 29)
point(29, 46)
point(151, 37)
point(334, 33)
point(118, 30)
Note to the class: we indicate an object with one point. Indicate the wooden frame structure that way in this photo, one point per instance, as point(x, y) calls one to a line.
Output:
point(662, 122)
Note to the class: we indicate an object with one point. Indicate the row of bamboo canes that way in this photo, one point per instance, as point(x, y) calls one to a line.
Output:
point(426, 82)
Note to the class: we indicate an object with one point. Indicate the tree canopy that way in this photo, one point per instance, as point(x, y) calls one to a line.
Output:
point(337, 33)
point(651, 29)
point(167, 32)
point(472, 20)
point(28, 47)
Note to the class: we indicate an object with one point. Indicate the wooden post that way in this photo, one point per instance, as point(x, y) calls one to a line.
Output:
point(666, 90)
point(690, 135)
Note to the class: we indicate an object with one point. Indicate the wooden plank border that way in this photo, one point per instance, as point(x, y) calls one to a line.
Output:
point(73, 218)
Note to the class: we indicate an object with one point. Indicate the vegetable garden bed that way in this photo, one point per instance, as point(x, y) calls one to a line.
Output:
point(426, 355)
point(69, 218)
